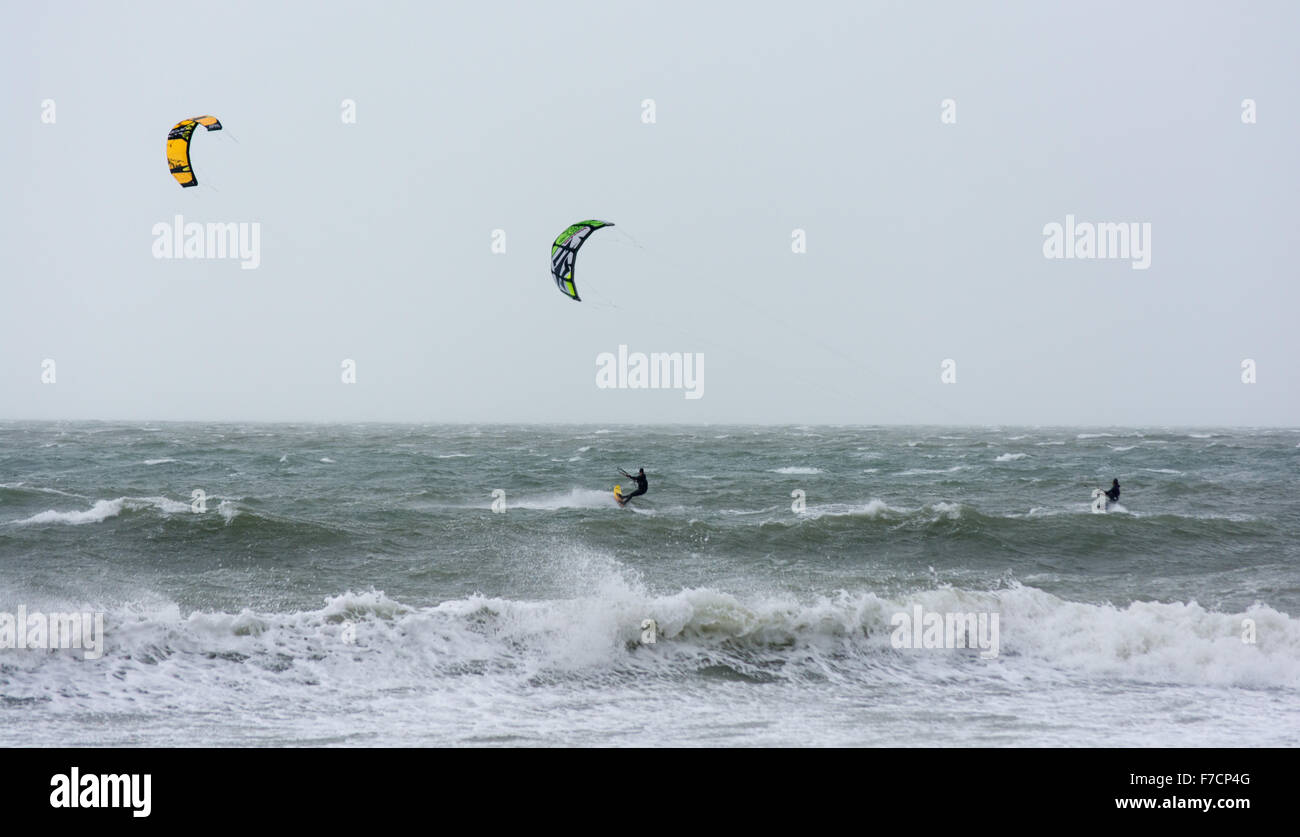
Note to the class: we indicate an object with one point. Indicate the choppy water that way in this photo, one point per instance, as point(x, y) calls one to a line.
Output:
point(352, 585)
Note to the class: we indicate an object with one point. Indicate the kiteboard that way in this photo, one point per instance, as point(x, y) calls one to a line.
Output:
point(618, 494)
point(1100, 502)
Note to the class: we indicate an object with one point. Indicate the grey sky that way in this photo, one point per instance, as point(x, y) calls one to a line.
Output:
point(924, 239)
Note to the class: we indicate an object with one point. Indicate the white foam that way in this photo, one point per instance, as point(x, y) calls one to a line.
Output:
point(574, 498)
point(1144, 641)
point(1010, 457)
point(795, 469)
point(103, 510)
point(26, 487)
point(877, 508)
point(228, 511)
point(873, 508)
point(365, 666)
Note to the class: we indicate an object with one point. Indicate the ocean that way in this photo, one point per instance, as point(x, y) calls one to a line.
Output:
point(430, 585)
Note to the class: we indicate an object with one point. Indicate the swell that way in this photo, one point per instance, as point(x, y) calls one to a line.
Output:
point(360, 639)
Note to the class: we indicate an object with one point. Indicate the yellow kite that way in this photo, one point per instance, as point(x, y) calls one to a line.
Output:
point(178, 147)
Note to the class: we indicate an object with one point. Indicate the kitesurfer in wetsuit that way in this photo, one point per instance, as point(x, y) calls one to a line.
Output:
point(1113, 494)
point(641, 485)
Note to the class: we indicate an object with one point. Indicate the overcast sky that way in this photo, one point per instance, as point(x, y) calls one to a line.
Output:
point(924, 237)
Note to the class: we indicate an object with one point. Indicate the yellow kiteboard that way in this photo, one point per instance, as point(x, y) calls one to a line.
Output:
point(618, 494)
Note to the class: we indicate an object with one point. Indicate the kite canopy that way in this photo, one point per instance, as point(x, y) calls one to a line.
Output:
point(564, 252)
point(178, 147)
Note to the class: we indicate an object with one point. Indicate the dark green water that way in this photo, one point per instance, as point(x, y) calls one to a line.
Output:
point(353, 584)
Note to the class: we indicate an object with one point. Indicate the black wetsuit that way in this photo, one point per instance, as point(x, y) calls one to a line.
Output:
point(641, 485)
point(1113, 493)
